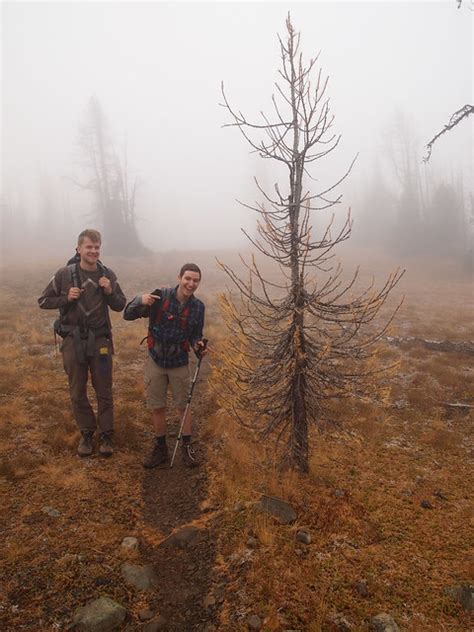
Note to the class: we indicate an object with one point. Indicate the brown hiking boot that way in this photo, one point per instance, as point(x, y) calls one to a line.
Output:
point(189, 455)
point(85, 447)
point(106, 447)
point(159, 456)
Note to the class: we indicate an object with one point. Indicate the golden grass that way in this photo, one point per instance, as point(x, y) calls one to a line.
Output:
point(370, 471)
point(10, 379)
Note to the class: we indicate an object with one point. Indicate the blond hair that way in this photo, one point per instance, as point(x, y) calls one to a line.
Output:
point(91, 234)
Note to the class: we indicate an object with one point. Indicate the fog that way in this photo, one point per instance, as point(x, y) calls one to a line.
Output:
point(156, 69)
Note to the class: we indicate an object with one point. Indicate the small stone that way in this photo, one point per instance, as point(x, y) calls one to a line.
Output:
point(384, 623)
point(276, 507)
point(140, 577)
point(362, 589)
point(100, 615)
point(254, 622)
point(298, 552)
point(303, 536)
point(439, 494)
point(145, 615)
point(156, 625)
point(426, 504)
point(182, 538)
point(130, 543)
point(339, 493)
point(252, 542)
point(51, 511)
point(340, 624)
point(209, 601)
point(464, 594)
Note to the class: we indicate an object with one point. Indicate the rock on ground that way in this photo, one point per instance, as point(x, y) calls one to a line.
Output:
point(464, 594)
point(254, 622)
point(140, 577)
point(100, 615)
point(278, 508)
point(384, 623)
point(182, 538)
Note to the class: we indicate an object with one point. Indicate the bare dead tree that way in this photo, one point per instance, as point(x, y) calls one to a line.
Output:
point(109, 183)
point(300, 341)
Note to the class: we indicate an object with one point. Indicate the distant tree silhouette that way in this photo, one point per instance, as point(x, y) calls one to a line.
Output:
point(114, 197)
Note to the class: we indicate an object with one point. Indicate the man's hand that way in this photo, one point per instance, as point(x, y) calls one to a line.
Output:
point(106, 285)
point(149, 299)
point(200, 348)
point(74, 293)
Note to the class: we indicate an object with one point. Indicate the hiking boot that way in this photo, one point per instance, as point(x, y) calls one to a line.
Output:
point(106, 447)
point(85, 447)
point(189, 455)
point(159, 456)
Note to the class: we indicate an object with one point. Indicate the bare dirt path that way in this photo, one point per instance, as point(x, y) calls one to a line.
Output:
point(185, 559)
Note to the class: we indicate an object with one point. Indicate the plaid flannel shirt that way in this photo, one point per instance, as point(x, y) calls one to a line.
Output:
point(168, 350)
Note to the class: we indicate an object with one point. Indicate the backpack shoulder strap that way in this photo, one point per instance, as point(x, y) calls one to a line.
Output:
point(75, 275)
point(103, 269)
point(161, 306)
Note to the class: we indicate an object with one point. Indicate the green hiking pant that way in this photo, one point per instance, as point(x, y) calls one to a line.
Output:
point(100, 368)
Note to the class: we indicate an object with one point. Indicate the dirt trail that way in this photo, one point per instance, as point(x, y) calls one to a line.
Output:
point(172, 500)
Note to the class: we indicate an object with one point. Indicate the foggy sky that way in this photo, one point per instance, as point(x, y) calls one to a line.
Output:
point(156, 69)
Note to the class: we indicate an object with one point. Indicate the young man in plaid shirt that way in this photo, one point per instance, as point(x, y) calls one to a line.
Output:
point(176, 321)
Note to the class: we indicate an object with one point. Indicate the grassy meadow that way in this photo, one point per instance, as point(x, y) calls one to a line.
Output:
point(388, 500)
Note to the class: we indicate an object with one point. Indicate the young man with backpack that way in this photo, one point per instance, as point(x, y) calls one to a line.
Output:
point(83, 291)
point(176, 321)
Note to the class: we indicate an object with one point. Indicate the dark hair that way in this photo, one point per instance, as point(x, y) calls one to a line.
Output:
point(190, 267)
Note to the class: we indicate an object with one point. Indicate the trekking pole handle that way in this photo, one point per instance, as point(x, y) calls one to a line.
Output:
point(201, 349)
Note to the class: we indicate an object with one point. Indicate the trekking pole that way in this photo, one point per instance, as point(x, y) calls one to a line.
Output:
point(188, 403)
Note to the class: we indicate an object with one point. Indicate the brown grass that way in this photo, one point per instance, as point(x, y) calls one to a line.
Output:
point(370, 471)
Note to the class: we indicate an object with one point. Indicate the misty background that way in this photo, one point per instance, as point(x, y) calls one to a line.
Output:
point(148, 77)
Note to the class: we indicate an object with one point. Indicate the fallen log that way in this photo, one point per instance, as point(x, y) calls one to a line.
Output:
point(433, 345)
point(457, 406)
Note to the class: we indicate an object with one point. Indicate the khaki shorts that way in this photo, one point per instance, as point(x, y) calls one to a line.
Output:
point(156, 385)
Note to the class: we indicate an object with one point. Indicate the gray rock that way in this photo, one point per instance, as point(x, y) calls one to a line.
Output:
point(145, 614)
point(362, 589)
point(156, 625)
point(384, 623)
point(182, 538)
point(340, 624)
point(278, 508)
point(209, 601)
point(130, 544)
point(464, 594)
point(426, 504)
point(254, 622)
point(100, 615)
point(51, 511)
point(303, 536)
point(140, 577)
